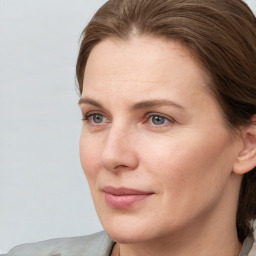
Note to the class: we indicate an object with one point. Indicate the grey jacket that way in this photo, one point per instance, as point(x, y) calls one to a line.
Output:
point(98, 244)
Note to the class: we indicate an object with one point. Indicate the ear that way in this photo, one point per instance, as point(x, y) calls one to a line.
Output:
point(246, 160)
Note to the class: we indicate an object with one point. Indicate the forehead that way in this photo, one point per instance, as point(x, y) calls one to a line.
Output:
point(142, 65)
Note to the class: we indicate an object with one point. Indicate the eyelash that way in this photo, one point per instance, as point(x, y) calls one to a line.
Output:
point(91, 114)
point(167, 120)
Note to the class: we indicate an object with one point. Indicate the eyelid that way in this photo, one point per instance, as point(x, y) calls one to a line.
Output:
point(89, 114)
point(148, 115)
point(86, 114)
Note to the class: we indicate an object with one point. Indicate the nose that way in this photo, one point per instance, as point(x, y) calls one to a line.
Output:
point(119, 151)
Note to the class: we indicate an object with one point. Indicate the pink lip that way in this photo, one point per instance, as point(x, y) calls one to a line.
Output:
point(123, 197)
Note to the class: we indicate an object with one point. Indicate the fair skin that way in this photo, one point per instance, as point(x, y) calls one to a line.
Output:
point(152, 126)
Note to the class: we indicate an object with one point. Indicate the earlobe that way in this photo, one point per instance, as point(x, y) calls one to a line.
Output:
point(246, 160)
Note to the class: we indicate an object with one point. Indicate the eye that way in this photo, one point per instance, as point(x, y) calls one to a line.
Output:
point(95, 118)
point(157, 120)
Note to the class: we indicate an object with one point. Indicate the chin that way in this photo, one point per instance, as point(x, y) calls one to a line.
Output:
point(126, 230)
point(126, 236)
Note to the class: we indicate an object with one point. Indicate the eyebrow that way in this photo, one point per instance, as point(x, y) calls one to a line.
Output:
point(156, 103)
point(89, 101)
point(137, 106)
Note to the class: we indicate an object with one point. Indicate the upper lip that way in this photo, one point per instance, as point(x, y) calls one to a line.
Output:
point(124, 191)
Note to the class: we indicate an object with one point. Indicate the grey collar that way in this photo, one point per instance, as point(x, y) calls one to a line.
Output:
point(247, 246)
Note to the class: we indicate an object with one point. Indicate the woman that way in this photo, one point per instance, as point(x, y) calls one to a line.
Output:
point(168, 144)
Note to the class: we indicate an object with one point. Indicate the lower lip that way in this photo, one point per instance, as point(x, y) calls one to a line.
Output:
point(123, 201)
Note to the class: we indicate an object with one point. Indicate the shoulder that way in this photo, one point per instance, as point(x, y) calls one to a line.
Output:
point(249, 246)
point(98, 244)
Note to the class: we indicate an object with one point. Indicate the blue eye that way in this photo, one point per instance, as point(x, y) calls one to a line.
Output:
point(157, 120)
point(95, 118)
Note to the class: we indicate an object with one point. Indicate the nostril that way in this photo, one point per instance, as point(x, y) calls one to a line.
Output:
point(120, 166)
point(127, 161)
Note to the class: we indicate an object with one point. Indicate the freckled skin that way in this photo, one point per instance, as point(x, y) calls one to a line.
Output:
point(186, 162)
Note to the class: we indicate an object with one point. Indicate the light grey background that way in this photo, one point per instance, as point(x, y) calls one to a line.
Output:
point(43, 191)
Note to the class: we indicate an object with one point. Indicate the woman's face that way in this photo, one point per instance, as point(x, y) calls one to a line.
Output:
point(154, 146)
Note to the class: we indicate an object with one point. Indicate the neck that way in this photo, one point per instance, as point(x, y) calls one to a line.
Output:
point(223, 246)
point(199, 244)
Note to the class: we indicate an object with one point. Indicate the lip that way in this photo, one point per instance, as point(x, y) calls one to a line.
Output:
point(124, 197)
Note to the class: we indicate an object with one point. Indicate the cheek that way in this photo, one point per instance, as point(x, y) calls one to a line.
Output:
point(89, 156)
point(191, 165)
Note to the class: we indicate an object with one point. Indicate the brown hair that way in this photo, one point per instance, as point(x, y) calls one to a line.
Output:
point(221, 34)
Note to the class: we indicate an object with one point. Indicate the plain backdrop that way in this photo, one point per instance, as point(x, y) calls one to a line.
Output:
point(43, 191)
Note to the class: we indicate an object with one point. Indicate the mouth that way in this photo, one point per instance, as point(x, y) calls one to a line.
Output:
point(124, 197)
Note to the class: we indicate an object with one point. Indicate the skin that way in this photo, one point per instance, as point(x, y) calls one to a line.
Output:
point(186, 162)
